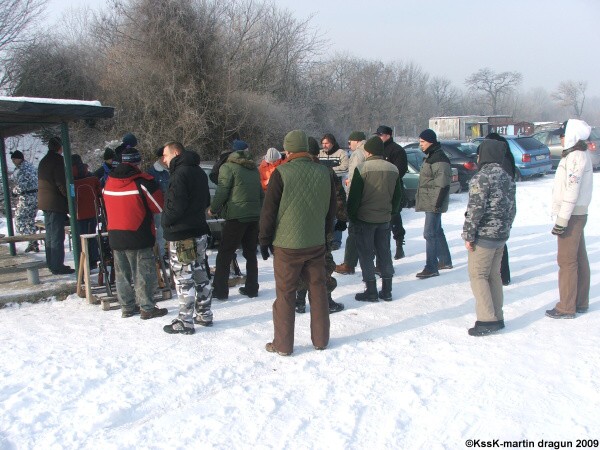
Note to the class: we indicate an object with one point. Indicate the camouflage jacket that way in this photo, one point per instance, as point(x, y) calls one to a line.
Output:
point(26, 179)
point(492, 207)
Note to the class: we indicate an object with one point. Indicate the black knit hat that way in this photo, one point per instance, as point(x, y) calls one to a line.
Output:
point(428, 135)
point(129, 140)
point(16, 155)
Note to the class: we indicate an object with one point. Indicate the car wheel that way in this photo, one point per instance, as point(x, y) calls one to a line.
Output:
point(518, 176)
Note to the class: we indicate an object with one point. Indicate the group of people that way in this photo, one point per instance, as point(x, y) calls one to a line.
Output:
point(290, 207)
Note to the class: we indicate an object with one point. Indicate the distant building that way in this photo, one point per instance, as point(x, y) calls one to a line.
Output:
point(471, 127)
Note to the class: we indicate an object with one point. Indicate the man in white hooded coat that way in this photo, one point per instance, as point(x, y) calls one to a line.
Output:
point(571, 196)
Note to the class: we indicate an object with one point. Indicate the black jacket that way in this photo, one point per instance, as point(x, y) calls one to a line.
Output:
point(186, 199)
point(395, 153)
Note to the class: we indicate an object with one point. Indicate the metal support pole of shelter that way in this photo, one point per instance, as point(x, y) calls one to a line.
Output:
point(66, 144)
point(7, 203)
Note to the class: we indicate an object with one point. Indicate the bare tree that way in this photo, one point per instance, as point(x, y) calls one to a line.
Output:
point(445, 97)
point(494, 86)
point(571, 94)
point(16, 19)
point(16, 16)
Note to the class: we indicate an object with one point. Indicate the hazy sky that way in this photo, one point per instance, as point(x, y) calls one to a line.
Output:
point(548, 41)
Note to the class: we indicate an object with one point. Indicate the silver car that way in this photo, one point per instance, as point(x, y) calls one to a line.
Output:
point(553, 142)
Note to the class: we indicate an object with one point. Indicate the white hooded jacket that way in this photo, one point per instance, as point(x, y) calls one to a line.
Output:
point(573, 182)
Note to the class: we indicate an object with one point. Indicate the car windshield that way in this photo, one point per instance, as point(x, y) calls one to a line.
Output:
point(528, 143)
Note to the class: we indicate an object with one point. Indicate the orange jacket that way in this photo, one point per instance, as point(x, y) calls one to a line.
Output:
point(266, 169)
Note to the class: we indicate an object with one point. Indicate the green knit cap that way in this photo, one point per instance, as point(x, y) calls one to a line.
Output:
point(357, 136)
point(374, 146)
point(295, 141)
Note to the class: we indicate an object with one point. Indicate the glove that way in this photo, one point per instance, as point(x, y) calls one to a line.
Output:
point(558, 230)
point(264, 251)
point(340, 225)
point(438, 209)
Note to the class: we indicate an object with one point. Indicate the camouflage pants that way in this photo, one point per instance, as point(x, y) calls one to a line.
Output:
point(25, 214)
point(192, 285)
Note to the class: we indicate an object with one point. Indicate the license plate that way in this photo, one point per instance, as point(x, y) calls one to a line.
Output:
point(538, 157)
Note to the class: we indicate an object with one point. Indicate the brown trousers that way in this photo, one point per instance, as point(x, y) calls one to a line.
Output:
point(573, 267)
point(289, 265)
point(486, 283)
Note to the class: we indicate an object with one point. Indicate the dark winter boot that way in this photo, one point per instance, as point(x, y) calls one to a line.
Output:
point(334, 306)
point(301, 301)
point(485, 328)
point(386, 289)
point(370, 293)
point(399, 250)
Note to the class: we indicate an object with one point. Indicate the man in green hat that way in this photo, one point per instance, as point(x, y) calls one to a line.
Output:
point(297, 214)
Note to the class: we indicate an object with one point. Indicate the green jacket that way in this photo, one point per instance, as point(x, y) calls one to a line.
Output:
point(239, 194)
point(300, 204)
point(375, 191)
point(433, 192)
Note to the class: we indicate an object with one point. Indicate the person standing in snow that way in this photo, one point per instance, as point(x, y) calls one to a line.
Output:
point(238, 200)
point(571, 196)
point(509, 166)
point(297, 215)
point(131, 198)
point(25, 177)
point(356, 142)
point(433, 195)
point(184, 226)
point(489, 217)
point(52, 199)
point(395, 153)
point(374, 198)
point(341, 217)
point(159, 170)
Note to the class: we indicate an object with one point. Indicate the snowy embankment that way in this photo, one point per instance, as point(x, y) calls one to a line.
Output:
point(403, 374)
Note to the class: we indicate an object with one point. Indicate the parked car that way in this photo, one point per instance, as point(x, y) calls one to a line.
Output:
point(415, 158)
point(464, 163)
point(556, 149)
point(215, 224)
point(411, 183)
point(531, 156)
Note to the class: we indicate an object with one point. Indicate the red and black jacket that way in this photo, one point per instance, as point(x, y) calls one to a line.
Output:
point(131, 198)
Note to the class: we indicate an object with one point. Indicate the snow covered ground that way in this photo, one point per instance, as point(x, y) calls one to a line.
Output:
point(403, 374)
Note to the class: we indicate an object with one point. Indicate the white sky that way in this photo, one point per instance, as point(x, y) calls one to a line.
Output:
point(548, 41)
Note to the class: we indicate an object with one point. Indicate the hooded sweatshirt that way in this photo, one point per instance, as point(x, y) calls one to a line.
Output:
point(573, 181)
point(492, 207)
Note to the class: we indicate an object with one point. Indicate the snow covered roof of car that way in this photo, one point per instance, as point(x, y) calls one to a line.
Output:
point(19, 115)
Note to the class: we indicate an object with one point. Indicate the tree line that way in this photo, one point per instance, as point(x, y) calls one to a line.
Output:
point(205, 72)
